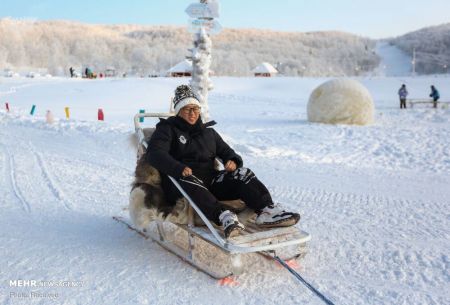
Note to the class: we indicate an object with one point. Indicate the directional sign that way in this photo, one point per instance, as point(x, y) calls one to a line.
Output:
point(214, 7)
point(211, 26)
point(203, 10)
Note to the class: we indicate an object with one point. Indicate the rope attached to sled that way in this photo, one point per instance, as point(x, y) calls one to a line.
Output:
point(300, 278)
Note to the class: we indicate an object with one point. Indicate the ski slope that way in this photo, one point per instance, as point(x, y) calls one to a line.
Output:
point(375, 199)
point(394, 62)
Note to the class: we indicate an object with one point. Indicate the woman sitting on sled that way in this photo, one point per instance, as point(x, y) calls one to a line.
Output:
point(186, 148)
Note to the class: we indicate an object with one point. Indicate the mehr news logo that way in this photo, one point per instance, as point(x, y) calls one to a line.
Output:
point(34, 283)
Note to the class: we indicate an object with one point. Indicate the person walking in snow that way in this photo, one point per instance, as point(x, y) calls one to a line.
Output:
point(402, 93)
point(186, 148)
point(434, 95)
point(71, 70)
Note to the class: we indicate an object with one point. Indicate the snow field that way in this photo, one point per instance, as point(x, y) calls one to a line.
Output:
point(374, 198)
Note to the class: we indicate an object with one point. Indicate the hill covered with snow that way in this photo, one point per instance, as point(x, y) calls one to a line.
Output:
point(431, 46)
point(393, 61)
point(54, 46)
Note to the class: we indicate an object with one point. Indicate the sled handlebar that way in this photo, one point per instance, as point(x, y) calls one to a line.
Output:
point(139, 117)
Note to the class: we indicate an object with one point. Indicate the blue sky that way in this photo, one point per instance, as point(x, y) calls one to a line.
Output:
point(375, 19)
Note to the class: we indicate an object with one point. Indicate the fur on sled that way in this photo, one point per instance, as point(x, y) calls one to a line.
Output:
point(147, 201)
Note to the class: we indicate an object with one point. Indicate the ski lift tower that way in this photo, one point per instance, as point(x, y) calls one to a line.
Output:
point(202, 24)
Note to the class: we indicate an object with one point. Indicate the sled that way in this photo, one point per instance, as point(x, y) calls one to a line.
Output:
point(205, 247)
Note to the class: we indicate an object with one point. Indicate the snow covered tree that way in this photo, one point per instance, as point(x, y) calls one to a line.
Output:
point(26, 45)
point(201, 63)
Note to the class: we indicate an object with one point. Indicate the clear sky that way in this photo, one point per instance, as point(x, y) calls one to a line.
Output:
point(371, 18)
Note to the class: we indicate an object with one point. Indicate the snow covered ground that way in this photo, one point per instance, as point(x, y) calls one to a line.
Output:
point(394, 62)
point(375, 199)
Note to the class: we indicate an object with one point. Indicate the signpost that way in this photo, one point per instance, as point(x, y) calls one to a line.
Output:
point(211, 26)
point(202, 25)
point(202, 10)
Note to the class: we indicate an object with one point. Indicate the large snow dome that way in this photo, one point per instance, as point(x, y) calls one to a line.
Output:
point(341, 101)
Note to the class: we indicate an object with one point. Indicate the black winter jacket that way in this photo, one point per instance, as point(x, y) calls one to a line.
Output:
point(176, 144)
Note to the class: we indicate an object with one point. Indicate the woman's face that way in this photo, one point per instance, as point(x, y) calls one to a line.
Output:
point(190, 113)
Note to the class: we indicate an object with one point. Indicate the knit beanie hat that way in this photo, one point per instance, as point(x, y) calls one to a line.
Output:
point(184, 96)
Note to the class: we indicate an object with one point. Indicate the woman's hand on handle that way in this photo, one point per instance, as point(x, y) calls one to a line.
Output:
point(230, 166)
point(186, 172)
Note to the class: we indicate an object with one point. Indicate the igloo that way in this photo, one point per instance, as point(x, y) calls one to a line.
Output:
point(341, 101)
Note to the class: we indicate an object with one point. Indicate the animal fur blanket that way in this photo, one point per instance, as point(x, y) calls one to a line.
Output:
point(147, 201)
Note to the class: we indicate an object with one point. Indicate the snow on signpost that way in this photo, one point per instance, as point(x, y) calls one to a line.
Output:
point(203, 10)
point(202, 27)
point(211, 26)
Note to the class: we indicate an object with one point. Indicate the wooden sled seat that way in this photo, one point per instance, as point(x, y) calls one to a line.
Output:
point(253, 238)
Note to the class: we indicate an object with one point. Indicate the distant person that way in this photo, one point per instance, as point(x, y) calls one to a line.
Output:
point(71, 70)
point(434, 95)
point(90, 74)
point(402, 94)
point(87, 72)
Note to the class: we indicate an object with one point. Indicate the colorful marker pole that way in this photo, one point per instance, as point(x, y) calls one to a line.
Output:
point(49, 117)
point(7, 106)
point(67, 111)
point(101, 116)
point(141, 120)
point(33, 108)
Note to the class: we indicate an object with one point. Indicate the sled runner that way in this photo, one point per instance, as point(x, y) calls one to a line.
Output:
point(197, 240)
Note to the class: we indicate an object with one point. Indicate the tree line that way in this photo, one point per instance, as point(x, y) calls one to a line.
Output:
point(143, 50)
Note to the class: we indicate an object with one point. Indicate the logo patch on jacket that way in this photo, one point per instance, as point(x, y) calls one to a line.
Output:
point(182, 139)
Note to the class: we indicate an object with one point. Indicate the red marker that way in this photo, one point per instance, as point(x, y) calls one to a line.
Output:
point(101, 116)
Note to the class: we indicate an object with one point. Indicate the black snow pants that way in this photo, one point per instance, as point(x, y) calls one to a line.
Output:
point(402, 103)
point(435, 99)
point(239, 184)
